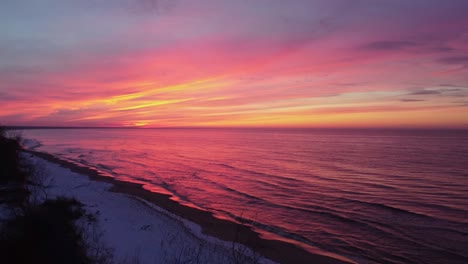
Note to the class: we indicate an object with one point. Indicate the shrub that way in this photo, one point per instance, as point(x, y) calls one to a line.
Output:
point(45, 234)
point(14, 173)
point(11, 163)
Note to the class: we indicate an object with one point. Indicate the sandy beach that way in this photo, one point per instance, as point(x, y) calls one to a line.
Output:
point(223, 232)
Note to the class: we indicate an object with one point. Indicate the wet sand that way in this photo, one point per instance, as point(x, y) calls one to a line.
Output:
point(275, 250)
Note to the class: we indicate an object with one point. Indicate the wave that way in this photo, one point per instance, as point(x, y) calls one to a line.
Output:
point(31, 143)
point(370, 199)
point(288, 180)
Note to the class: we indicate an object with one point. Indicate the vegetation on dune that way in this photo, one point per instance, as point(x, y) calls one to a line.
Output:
point(38, 230)
point(14, 173)
point(45, 233)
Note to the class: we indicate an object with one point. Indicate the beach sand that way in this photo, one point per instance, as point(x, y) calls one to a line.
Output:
point(229, 232)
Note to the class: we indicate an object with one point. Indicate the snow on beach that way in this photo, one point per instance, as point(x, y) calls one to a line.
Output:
point(135, 230)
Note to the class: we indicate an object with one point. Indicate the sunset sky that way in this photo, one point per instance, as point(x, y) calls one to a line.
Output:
point(272, 63)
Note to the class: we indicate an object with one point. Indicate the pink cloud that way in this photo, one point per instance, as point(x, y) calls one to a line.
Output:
point(196, 63)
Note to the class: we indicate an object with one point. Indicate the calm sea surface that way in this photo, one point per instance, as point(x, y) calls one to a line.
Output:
point(374, 196)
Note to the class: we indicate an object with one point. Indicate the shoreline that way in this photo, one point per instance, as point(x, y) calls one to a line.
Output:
point(278, 251)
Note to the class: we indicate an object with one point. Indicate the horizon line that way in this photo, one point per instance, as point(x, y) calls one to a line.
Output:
point(9, 127)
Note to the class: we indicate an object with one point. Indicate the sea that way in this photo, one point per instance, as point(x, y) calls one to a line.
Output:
point(369, 195)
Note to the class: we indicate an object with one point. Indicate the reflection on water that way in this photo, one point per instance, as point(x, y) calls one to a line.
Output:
point(371, 195)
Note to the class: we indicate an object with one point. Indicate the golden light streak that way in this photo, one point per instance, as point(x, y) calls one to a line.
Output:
point(155, 103)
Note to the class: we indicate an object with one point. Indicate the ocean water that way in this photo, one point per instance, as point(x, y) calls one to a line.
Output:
point(373, 196)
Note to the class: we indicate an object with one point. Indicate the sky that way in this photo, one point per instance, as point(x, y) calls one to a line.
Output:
point(242, 63)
